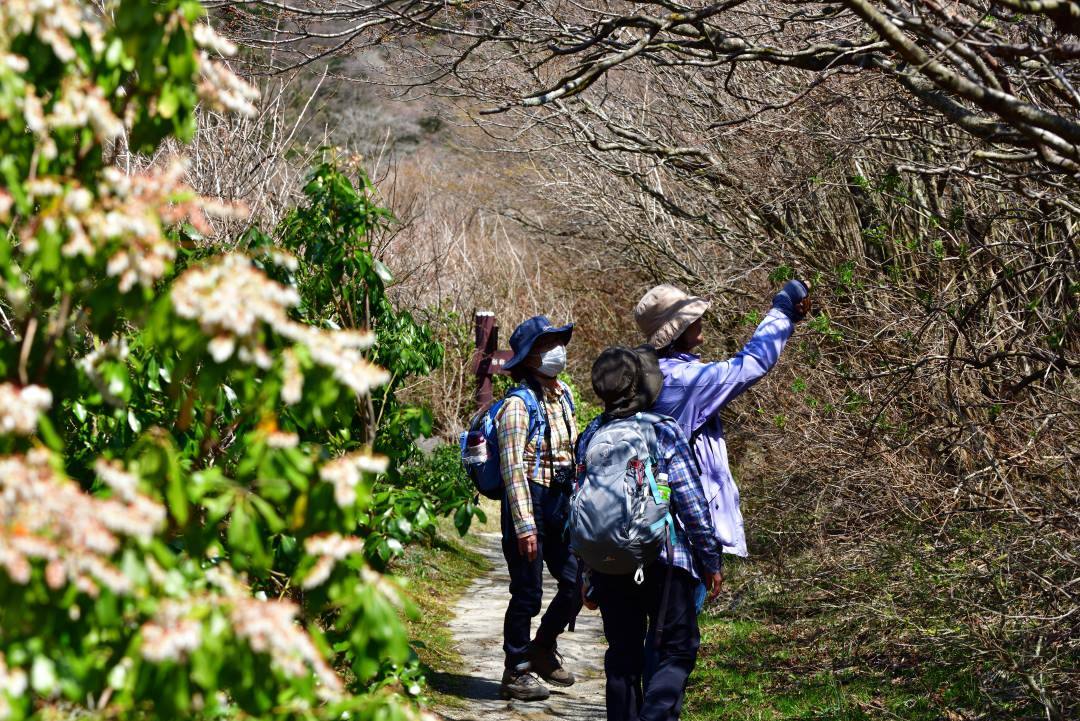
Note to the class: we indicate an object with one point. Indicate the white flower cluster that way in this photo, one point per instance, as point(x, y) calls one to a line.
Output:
point(126, 221)
point(6, 201)
point(341, 352)
point(232, 300)
point(12, 684)
point(284, 259)
point(221, 89)
point(82, 103)
point(17, 63)
point(136, 207)
point(45, 516)
point(224, 578)
point(171, 635)
point(282, 439)
point(346, 472)
point(292, 386)
point(330, 548)
point(79, 103)
point(55, 22)
point(123, 483)
point(270, 627)
point(207, 37)
point(116, 348)
point(20, 407)
point(382, 584)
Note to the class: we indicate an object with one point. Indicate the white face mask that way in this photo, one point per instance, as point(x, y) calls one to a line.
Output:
point(552, 362)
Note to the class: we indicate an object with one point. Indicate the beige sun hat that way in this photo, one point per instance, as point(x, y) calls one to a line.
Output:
point(665, 312)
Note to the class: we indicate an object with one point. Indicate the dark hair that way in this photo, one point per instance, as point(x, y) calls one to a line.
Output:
point(524, 374)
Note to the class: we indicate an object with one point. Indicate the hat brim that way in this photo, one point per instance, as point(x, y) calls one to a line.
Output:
point(685, 314)
point(566, 331)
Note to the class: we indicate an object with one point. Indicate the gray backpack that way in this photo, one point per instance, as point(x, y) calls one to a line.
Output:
point(619, 520)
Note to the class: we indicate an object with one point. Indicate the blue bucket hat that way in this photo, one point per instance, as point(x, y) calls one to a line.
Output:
point(528, 332)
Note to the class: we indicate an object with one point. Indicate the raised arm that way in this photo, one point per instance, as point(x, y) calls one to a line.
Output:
point(717, 384)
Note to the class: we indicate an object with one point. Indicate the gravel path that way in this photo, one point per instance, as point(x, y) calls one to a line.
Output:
point(477, 630)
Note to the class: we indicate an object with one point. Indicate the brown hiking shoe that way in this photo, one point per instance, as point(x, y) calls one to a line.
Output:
point(547, 663)
point(523, 686)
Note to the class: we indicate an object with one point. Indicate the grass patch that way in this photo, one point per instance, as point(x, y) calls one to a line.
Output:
point(437, 572)
point(784, 651)
point(747, 670)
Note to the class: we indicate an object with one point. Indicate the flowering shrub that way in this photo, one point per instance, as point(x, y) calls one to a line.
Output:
point(187, 446)
point(323, 249)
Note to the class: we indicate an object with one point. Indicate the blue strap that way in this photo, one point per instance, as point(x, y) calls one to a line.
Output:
point(668, 521)
point(536, 422)
point(652, 482)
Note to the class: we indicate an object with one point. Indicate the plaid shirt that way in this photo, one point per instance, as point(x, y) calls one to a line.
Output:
point(517, 452)
point(695, 549)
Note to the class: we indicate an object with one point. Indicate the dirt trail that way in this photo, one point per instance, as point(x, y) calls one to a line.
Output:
point(477, 630)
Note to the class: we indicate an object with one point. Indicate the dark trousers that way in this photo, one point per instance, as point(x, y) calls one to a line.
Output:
point(550, 509)
point(628, 611)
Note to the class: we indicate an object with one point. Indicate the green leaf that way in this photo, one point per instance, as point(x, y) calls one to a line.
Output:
point(48, 434)
point(114, 53)
point(168, 101)
point(133, 421)
point(463, 519)
point(176, 497)
point(273, 521)
point(383, 272)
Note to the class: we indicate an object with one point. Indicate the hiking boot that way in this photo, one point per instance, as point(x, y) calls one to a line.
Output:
point(523, 686)
point(547, 663)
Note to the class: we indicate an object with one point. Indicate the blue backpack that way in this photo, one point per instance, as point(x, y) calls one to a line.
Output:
point(480, 443)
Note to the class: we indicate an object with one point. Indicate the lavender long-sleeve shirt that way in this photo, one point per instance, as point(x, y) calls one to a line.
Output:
point(693, 394)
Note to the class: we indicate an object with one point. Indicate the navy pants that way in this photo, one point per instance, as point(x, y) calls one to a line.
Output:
point(628, 611)
point(550, 509)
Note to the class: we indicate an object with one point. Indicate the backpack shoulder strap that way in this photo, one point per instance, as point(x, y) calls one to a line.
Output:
point(537, 420)
point(586, 437)
point(537, 416)
point(532, 405)
point(568, 395)
point(656, 418)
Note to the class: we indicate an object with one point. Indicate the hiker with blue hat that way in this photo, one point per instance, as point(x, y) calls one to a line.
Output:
point(537, 432)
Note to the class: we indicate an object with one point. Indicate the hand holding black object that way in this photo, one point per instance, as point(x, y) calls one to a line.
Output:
point(805, 306)
point(793, 300)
